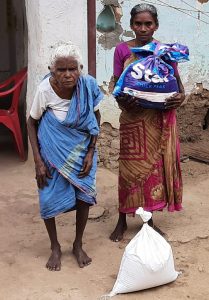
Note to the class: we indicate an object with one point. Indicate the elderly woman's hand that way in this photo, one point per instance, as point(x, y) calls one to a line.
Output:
point(127, 102)
point(42, 173)
point(87, 163)
point(174, 101)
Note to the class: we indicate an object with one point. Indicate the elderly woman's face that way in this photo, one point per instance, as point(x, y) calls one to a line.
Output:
point(66, 72)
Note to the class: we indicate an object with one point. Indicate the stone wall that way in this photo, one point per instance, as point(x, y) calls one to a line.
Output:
point(193, 115)
point(108, 146)
point(193, 122)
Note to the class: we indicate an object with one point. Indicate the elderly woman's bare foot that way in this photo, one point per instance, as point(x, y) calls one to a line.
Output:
point(54, 262)
point(81, 256)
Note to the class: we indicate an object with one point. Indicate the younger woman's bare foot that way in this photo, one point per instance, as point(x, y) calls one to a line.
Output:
point(54, 262)
point(121, 227)
point(81, 256)
point(151, 223)
point(159, 231)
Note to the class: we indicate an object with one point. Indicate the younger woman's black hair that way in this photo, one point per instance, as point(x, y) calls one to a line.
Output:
point(139, 8)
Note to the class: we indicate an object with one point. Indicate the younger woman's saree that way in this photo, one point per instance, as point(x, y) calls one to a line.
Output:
point(149, 161)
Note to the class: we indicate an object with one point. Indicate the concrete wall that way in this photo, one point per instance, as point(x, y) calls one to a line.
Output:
point(175, 26)
point(62, 20)
point(49, 22)
point(186, 28)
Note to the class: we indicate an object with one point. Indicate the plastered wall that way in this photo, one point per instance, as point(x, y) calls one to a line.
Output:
point(49, 22)
point(188, 28)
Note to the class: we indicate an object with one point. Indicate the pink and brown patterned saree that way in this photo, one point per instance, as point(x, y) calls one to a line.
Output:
point(149, 161)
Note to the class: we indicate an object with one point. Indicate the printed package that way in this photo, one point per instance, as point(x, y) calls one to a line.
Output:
point(150, 78)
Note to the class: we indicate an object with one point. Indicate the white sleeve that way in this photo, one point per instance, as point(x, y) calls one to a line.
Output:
point(39, 105)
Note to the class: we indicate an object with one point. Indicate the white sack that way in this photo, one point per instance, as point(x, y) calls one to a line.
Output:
point(147, 261)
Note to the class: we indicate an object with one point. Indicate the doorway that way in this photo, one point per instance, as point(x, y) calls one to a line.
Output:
point(13, 57)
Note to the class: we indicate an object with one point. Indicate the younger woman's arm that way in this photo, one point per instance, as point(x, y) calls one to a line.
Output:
point(177, 99)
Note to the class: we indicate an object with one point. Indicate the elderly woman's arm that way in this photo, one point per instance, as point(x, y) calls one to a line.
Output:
point(87, 163)
point(42, 173)
point(94, 137)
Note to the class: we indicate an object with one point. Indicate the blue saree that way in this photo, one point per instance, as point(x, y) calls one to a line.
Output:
point(63, 147)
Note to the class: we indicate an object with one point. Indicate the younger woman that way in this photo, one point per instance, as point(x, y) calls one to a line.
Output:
point(149, 162)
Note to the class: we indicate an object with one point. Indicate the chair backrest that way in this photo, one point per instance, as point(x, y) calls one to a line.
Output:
point(17, 81)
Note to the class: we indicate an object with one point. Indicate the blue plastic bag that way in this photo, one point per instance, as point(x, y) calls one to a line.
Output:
point(150, 78)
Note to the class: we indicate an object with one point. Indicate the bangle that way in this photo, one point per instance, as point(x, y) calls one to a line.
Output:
point(91, 146)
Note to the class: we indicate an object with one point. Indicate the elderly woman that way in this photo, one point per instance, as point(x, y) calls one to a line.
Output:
point(63, 126)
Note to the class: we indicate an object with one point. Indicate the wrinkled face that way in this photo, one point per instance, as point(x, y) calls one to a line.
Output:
point(144, 27)
point(66, 72)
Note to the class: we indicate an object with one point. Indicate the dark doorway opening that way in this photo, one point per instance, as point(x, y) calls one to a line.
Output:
point(13, 57)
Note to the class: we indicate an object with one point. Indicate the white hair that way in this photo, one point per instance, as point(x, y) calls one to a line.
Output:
point(65, 50)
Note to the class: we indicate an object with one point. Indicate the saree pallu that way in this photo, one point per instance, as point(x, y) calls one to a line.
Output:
point(149, 161)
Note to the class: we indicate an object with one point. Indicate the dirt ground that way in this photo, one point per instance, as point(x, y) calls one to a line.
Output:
point(24, 246)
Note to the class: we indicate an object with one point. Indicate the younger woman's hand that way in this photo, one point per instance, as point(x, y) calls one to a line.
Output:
point(174, 101)
point(126, 102)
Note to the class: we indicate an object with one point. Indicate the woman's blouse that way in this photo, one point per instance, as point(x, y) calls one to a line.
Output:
point(45, 98)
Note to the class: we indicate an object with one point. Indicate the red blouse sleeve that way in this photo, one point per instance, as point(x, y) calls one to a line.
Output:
point(121, 54)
